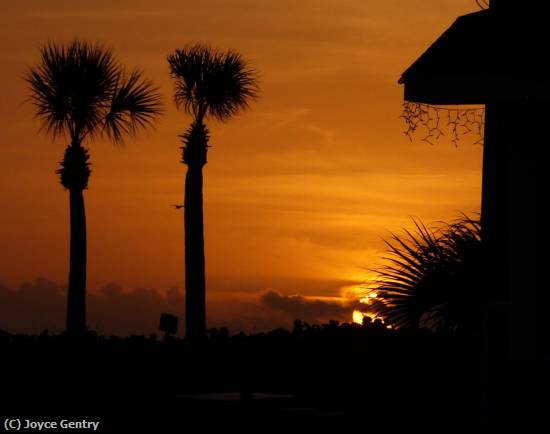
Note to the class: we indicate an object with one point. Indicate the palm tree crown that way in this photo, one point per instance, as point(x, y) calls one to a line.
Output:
point(80, 89)
point(211, 83)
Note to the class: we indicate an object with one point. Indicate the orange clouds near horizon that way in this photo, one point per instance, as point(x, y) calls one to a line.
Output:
point(299, 190)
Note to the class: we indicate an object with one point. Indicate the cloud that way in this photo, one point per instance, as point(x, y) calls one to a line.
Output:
point(40, 305)
point(113, 311)
point(32, 308)
point(250, 316)
point(307, 309)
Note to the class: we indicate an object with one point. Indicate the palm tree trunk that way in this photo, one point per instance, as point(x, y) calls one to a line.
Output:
point(76, 304)
point(195, 284)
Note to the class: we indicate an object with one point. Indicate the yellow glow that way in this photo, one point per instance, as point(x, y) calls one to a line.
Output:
point(358, 318)
point(368, 298)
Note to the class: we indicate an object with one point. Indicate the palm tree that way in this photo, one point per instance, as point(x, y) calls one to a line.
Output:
point(210, 84)
point(433, 278)
point(80, 91)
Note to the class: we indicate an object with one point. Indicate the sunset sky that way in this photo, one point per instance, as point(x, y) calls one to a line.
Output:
point(299, 190)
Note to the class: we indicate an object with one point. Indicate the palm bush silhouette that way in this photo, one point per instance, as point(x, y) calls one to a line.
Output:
point(80, 91)
point(210, 84)
point(434, 278)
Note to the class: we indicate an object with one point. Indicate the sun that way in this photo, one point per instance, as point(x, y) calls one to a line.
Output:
point(357, 317)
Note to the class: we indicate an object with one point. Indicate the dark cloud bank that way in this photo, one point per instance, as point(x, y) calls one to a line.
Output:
point(311, 310)
point(40, 305)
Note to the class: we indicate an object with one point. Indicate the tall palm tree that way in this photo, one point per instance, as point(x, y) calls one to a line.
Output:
point(208, 84)
point(80, 91)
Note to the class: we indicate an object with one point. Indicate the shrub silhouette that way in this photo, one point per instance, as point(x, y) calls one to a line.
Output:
point(433, 278)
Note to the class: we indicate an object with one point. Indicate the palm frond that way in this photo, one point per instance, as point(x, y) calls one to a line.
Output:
point(211, 83)
point(135, 104)
point(433, 277)
point(80, 89)
point(71, 87)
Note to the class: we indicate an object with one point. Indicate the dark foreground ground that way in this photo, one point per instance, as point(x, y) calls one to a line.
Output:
point(335, 377)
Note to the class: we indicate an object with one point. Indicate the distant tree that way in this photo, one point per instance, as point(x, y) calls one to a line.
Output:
point(433, 278)
point(80, 91)
point(210, 84)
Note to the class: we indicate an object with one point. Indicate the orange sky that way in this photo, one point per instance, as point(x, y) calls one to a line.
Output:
point(298, 191)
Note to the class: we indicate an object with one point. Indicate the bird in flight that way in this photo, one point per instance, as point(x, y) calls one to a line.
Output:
point(178, 206)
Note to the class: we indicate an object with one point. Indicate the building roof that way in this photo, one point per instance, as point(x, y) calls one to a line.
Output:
point(483, 56)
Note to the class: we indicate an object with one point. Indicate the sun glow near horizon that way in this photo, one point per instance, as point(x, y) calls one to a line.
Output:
point(359, 315)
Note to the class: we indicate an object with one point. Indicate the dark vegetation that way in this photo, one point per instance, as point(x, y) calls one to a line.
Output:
point(433, 278)
point(345, 373)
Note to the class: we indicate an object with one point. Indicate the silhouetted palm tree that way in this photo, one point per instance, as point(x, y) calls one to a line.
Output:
point(80, 91)
point(433, 278)
point(211, 84)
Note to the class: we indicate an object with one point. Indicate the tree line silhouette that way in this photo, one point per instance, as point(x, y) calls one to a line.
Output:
point(357, 373)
